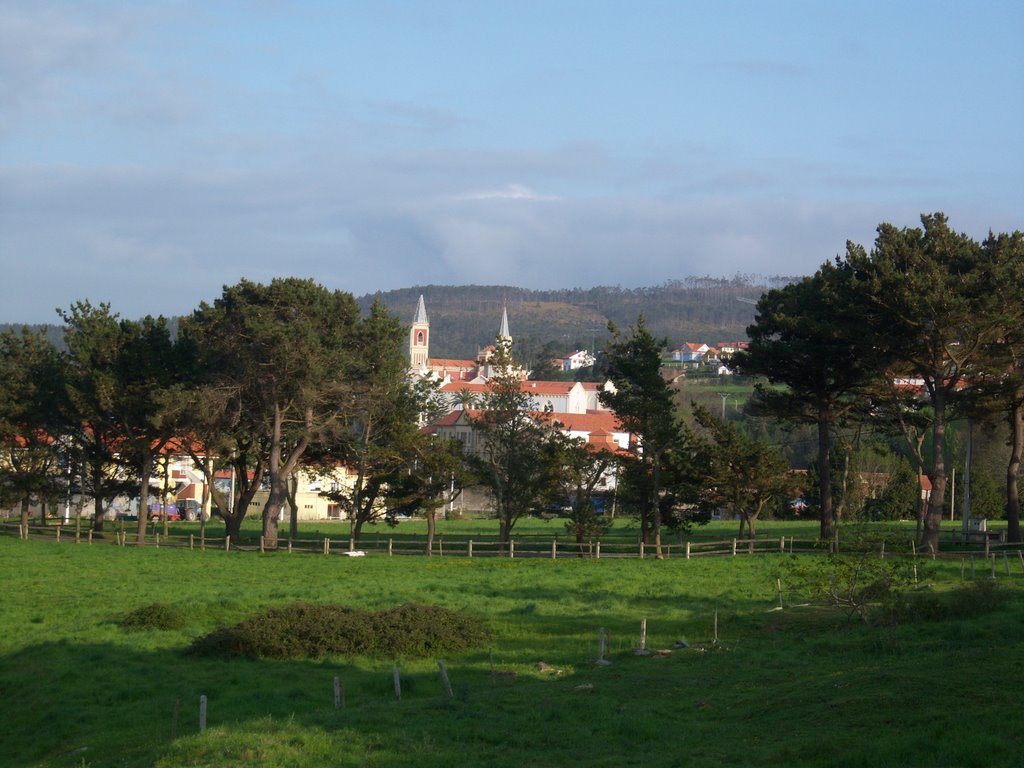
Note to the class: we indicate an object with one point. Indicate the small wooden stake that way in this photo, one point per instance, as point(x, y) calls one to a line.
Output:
point(174, 719)
point(993, 566)
point(778, 586)
point(643, 634)
point(715, 638)
point(600, 645)
point(882, 554)
point(202, 713)
point(398, 682)
point(444, 678)
point(961, 569)
point(339, 696)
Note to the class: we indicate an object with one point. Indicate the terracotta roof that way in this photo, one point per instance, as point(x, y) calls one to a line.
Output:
point(590, 421)
point(548, 387)
point(446, 362)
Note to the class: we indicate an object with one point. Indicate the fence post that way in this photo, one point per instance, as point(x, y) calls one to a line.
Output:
point(202, 713)
point(397, 681)
point(554, 548)
point(687, 550)
point(597, 550)
point(191, 541)
point(511, 548)
point(156, 539)
point(641, 549)
point(227, 543)
point(734, 547)
point(58, 534)
point(90, 535)
point(469, 549)
point(339, 694)
point(986, 546)
point(444, 678)
point(390, 547)
point(262, 544)
point(782, 545)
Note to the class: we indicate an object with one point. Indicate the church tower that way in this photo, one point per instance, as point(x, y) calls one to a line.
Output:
point(419, 338)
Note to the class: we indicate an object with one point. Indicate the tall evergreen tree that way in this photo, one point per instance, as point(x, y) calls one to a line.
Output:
point(808, 337)
point(644, 404)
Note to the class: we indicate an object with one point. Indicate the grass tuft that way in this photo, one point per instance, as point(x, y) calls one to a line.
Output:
point(159, 616)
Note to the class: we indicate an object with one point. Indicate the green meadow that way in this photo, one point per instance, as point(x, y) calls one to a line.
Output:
point(801, 686)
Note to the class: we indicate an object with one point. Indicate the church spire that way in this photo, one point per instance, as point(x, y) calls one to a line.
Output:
point(503, 330)
point(421, 312)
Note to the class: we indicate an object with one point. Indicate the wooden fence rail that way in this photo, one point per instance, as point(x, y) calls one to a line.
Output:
point(448, 546)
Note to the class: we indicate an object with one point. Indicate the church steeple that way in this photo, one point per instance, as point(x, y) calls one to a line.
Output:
point(419, 337)
point(421, 313)
point(503, 334)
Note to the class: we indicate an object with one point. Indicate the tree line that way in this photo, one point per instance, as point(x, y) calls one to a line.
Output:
point(923, 329)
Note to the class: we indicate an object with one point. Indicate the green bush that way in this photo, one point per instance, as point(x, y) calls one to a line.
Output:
point(153, 616)
point(313, 630)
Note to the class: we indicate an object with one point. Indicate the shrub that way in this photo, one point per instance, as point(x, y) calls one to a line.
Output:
point(154, 616)
point(313, 630)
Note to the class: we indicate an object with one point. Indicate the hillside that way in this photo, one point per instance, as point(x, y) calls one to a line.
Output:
point(464, 318)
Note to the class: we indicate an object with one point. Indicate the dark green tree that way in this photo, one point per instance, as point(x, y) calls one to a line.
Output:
point(924, 301)
point(275, 362)
point(644, 404)
point(1004, 365)
point(808, 338)
point(509, 459)
point(737, 472)
point(31, 394)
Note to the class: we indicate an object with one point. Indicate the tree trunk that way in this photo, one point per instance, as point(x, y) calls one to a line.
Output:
point(656, 508)
point(233, 528)
point(273, 509)
point(827, 530)
point(751, 519)
point(293, 507)
point(431, 525)
point(933, 518)
point(26, 502)
point(145, 470)
point(1016, 420)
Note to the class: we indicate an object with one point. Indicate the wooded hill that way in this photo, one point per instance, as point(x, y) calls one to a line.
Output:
point(465, 318)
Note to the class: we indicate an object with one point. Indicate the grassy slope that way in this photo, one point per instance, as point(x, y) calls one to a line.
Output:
point(798, 687)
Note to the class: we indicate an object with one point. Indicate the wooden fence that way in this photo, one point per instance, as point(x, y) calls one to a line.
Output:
point(448, 546)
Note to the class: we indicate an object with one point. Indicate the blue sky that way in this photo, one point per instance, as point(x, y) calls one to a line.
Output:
point(152, 151)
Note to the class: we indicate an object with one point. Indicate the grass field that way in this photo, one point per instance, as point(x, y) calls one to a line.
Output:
point(801, 686)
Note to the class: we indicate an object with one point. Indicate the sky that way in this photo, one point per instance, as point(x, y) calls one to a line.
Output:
point(154, 151)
